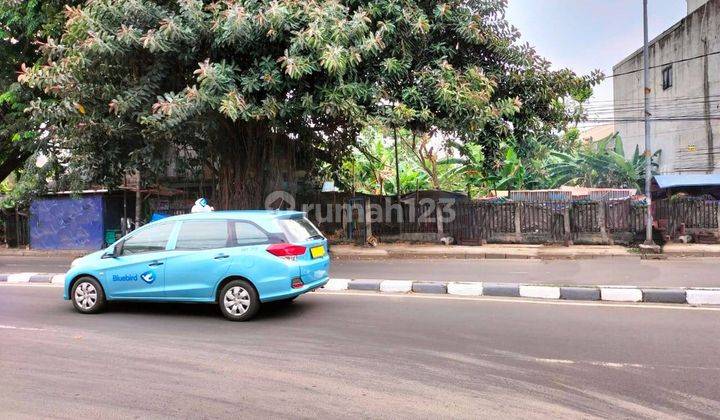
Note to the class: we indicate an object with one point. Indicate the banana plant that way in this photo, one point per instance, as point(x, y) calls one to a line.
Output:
point(599, 165)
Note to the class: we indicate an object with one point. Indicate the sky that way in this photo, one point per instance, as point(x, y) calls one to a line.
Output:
point(584, 35)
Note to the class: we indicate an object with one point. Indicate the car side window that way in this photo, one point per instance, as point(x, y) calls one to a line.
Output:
point(203, 234)
point(249, 234)
point(150, 239)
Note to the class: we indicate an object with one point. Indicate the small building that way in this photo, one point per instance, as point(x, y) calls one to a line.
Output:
point(687, 207)
point(570, 193)
point(432, 195)
point(693, 185)
point(596, 133)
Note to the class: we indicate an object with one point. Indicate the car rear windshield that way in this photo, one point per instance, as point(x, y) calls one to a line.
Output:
point(299, 229)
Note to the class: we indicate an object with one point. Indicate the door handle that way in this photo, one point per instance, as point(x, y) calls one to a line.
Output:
point(156, 263)
point(221, 256)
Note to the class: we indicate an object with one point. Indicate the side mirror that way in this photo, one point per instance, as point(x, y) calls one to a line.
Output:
point(112, 253)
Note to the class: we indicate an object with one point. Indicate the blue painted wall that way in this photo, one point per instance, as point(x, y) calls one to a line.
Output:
point(64, 222)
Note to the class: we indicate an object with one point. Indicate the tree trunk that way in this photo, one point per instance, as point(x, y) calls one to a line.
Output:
point(14, 159)
point(252, 163)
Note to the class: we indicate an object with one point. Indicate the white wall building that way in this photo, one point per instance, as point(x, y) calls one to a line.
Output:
point(684, 93)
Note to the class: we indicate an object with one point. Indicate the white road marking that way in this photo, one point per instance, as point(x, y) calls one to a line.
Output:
point(28, 284)
point(558, 361)
point(12, 327)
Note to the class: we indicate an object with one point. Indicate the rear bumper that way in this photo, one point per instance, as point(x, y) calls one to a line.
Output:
point(291, 293)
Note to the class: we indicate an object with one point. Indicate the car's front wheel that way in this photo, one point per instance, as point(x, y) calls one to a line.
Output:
point(239, 301)
point(88, 296)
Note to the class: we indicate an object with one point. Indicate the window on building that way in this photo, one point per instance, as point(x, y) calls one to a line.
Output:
point(667, 78)
point(202, 234)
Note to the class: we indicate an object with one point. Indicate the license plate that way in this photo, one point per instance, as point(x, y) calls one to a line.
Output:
point(317, 252)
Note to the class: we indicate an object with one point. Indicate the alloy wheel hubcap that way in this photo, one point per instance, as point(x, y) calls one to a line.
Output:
point(236, 301)
point(85, 295)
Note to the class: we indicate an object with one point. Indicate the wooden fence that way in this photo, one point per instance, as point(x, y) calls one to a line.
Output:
point(14, 228)
point(691, 214)
point(547, 222)
point(477, 222)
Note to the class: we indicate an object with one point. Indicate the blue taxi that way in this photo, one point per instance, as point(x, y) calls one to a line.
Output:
point(236, 259)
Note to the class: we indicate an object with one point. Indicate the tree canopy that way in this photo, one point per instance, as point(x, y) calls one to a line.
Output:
point(249, 87)
point(23, 22)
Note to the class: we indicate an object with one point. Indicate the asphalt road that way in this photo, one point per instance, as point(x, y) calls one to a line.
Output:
point(332, 355)
point(45, 264)
point(698, 272)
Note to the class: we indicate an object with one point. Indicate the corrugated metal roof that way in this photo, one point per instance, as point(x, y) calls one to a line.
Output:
point(689, 180)
point(540, 195)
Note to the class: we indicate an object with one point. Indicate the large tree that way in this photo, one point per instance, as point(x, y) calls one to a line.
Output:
point(247, 86)
point(21, 24)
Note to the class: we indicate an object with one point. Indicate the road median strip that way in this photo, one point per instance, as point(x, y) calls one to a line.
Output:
point(695, 296)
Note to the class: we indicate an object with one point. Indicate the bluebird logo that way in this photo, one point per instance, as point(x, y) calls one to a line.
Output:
point(148, 277)
point(125, 277)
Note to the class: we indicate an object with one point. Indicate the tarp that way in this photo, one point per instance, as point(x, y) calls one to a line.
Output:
point(66, 222)
point(690, 180)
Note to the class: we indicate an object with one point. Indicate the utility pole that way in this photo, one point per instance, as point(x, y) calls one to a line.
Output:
point(397, 166)
point(648, 146)
point(138, 202)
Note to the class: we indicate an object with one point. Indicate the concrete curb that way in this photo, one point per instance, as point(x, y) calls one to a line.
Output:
point(41, 278)
point(664, 295)
point(693, 296)
point(396, 286)
point(465, 288)
point(540, 292)
point(621, 294)
point(501, 289)
point(677, 295)
point(363, 284)
point(436, 287)
point(703, 296)
point(579, 293)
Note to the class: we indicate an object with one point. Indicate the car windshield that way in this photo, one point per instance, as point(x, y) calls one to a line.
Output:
point(299, 229)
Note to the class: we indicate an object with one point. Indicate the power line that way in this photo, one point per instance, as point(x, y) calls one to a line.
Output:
point(682, 60)
point(665, 132)
point(640, 101)
point(685, 106)
point(710, 98)
point(654, 119)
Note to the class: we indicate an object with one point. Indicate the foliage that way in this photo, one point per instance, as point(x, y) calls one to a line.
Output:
point(240, 82)
point(370, 167)
point(462, 167)
point(600, 165)
point(23, 22)
point(374, 164)
point(428, 158)
point(468, 166)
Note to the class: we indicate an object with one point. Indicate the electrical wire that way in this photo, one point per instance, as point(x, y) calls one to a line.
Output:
point(669, 63)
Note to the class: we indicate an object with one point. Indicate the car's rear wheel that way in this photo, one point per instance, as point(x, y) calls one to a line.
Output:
point(88, 296)
point(239, 301)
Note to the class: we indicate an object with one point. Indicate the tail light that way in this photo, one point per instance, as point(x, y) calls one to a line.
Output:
point(288, 251)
